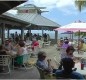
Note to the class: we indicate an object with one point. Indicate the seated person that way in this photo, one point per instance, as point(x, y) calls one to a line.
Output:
point(42, 63)
point(21, 50)
point(65, 44)
point(2, 50)
point(67, 54)
point(34, 43)
point(82, 46)
point(60, 43)
point(8, 46)
point(71, 43)
point(67, 71)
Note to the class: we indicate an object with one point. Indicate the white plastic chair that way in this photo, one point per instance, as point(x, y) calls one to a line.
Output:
point(40, 43)
point(56, 61)
point(5, 60)
point(35, 51)
point(47, 43)
point(57, 47)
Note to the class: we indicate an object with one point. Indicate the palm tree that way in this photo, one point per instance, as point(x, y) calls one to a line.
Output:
point(80, 4)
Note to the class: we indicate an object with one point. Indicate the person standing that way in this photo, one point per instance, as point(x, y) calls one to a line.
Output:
point(16, 37)
point(27, 35)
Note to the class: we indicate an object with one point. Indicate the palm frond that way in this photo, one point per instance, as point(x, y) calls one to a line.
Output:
point(80, 4)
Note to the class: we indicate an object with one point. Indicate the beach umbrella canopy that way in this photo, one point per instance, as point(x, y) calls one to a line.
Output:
point(76, 26)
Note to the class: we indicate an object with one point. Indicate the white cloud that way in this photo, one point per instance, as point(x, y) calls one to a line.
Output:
point(49, 4)
point(62, 5)
point(66, 6)
point(45, 2)
point(56, 3)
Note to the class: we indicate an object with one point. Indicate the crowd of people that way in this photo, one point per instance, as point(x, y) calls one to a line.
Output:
point(65, 69)
point(79, 44)
point(20, 48)
point(16, 36)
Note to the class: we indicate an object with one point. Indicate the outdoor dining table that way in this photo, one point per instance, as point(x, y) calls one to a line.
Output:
point(81, 54)
point(11, 53)
point(79, 70)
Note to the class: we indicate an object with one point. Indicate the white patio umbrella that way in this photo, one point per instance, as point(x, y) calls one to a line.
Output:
point(73, 27)
point(76, 26)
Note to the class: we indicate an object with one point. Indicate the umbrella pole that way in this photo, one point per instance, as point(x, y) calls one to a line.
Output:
point(72, 35)
point(78, 40)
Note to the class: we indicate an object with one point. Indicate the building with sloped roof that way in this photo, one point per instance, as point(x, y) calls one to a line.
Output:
point(31, 17)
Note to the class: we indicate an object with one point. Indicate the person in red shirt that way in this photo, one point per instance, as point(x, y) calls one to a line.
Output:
point(34, 43)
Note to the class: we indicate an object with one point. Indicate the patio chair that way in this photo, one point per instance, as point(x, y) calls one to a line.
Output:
point(44, 75)
point(35, 52)
point(5, 61)
point(57, 47)
point(56, 61)
point(40, 43)
point(47, 43)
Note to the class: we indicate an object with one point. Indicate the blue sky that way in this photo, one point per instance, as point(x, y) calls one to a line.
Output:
point(61, 11)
